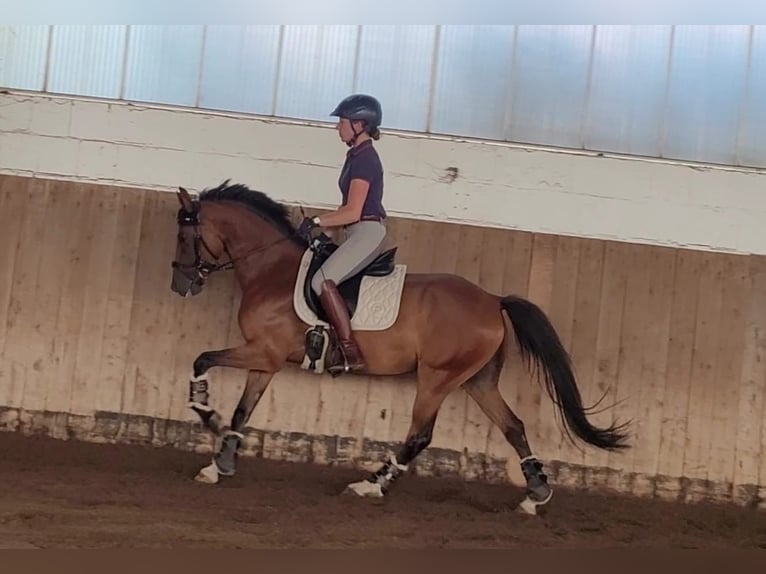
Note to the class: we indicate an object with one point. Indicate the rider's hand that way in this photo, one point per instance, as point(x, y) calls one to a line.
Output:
point(306, 226)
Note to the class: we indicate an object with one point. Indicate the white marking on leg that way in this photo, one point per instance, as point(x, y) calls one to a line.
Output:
point(365, 488)
point(529, 506)
point(209, 474)
point(202, 377)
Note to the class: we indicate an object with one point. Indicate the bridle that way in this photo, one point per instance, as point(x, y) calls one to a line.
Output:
point(202, 267)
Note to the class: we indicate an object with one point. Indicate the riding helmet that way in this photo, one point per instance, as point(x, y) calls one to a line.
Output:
point(360, 107)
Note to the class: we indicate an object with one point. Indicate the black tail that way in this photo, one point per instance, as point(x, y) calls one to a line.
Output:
point(540, 343)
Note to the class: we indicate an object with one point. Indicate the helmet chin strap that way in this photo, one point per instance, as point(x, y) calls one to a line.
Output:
point(356, 135)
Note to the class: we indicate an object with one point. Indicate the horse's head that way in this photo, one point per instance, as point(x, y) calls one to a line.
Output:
point(197, 244)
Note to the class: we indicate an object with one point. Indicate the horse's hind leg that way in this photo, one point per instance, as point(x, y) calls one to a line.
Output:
point(483, 388)
point(433, 387)
point(225, 461)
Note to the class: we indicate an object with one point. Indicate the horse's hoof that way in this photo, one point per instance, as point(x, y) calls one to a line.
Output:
point(208, 475)
point(365, 488)
point(227, 473)
point(529, 505)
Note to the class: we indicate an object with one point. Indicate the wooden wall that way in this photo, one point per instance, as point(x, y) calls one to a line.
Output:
point(88, 325)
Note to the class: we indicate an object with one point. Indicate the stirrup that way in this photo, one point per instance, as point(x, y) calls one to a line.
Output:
point(345, 364)
point(345, 367)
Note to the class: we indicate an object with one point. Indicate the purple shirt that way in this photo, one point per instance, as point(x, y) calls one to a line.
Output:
point(363, 162)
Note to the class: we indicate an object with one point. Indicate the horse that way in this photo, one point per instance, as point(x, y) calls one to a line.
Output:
point(448, 330)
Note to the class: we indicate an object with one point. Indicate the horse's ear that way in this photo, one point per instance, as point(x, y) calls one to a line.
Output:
point(185, 199)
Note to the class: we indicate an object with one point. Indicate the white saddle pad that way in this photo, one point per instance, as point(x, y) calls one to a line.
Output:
point(378, 304)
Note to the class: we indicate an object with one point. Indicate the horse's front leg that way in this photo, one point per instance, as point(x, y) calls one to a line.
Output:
point(225, 462)
point(250, 356)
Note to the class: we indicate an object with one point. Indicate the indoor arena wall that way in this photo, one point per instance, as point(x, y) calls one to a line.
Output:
point(653, 273)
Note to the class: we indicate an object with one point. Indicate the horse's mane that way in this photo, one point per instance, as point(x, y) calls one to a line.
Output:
point(257, 201)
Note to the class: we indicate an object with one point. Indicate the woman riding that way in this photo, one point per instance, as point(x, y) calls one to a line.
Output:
point(361, 215)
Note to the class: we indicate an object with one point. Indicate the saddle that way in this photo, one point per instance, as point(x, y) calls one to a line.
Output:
point(323, 247)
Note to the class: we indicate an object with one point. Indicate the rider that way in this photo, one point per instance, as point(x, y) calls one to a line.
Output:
point(361, 214)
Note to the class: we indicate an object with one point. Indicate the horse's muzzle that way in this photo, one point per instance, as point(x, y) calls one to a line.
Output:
point(185, 285)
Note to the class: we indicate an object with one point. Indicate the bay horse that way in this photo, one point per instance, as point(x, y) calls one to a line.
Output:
point(448, 330)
